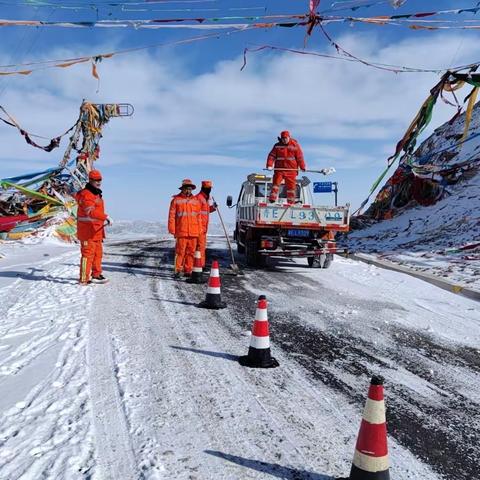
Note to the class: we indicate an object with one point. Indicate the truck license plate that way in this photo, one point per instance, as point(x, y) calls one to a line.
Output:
point(298, 233)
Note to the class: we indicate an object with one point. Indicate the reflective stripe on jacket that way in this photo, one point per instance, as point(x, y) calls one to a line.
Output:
point(91, 216)
point(184, 216)
point(288, 156)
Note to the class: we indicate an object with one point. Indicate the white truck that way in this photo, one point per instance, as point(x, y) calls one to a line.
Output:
point(264, 229)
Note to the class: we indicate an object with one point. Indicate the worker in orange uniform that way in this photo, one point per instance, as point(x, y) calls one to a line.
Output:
point(285, 158)
point(185, 225)
point(206, 209)
point(91, 218)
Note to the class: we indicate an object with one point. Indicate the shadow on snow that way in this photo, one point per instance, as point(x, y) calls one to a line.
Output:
point(273, 469)
point(226, 356)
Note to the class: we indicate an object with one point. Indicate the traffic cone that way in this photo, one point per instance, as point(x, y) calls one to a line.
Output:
point(213, 299)
point(197, 276)
point(370, 461)
point(259, 350)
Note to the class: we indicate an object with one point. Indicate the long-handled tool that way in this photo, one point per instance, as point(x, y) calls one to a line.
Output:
point(233, 266)
point(324, 171)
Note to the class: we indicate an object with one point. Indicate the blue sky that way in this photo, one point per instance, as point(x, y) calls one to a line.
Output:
point(198, 115)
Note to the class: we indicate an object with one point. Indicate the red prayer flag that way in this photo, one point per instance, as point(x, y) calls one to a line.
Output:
point(314, 5)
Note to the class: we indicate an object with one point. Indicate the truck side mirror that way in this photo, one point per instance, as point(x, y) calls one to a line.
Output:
point(229, 201)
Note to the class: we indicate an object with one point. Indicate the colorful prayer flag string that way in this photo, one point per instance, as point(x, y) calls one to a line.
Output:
point(65, 63)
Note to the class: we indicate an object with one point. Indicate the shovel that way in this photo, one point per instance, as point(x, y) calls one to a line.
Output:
point(233, 266)
point(323, 171)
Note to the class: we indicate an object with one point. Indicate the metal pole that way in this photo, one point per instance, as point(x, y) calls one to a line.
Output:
point(335, 190)
point(293, 170)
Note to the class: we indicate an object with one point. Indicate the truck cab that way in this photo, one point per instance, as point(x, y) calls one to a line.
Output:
point(264, 229)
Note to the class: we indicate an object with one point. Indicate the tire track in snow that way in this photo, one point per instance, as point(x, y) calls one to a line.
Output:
point(141, 361)
point(112, 437)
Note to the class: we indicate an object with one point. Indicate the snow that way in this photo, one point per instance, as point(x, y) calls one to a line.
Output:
point(45, 401)
point(130, 380)
point(428, 239)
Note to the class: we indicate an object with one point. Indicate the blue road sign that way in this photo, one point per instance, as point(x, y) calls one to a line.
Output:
point(322, 187)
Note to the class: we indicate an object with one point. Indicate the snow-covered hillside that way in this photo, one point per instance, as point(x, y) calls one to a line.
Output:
point(443, 238)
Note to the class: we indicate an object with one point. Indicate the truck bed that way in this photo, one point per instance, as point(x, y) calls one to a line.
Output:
point(301, 216)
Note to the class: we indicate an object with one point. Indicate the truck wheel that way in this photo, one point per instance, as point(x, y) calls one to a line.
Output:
point(250, 253)
point(320, 261)
point(236, 237)
point(254, 259)
point(313, 262)
point(328, 260)
point(261, 261)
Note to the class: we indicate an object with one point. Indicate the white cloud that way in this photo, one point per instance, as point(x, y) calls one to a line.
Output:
point(231, 117)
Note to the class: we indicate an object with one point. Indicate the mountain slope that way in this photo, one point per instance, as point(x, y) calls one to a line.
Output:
point(427, 214)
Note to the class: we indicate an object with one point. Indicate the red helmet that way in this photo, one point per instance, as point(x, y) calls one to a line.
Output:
point(94, 175)
point(285, 133)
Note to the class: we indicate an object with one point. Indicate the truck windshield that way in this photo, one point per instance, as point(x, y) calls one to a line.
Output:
point(261, 187)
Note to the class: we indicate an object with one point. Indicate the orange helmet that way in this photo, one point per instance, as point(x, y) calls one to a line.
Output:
point(94, 175)
point(186, 182)
point(285, 133)
point(207, 184)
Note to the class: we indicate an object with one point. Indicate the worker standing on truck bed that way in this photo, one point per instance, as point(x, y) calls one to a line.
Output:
point(285, 158)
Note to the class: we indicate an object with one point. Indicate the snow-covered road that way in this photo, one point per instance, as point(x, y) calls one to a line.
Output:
point(131, 380)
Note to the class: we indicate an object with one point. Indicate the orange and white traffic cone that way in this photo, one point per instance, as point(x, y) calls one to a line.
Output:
point(259, 351)
point(370, 461)
point(197, 276)
point(213, 299)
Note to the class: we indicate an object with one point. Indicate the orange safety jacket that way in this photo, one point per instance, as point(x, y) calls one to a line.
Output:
point(184, 216)
point(91, 214)
point(289, 156)
point(205, 210)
